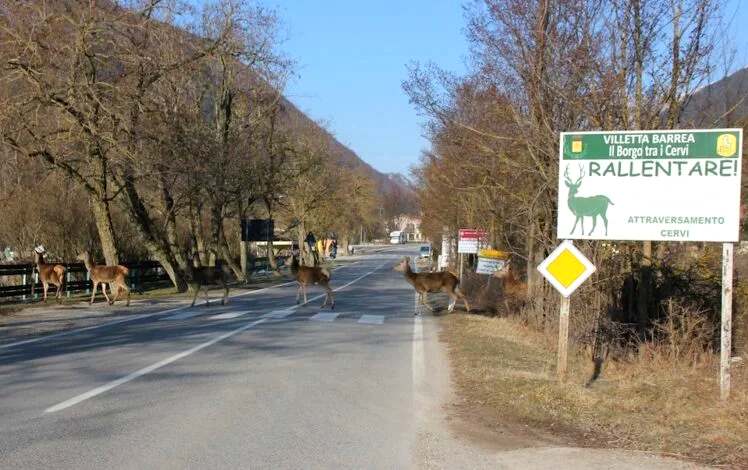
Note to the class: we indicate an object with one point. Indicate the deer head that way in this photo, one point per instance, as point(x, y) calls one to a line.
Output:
point(573, 186)
point(505, 271)
point(403, 265)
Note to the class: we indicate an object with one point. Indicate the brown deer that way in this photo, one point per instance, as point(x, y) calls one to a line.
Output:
point(511, 287)
point(49, 274)
point(309, 275)
point(209, 276)
point(112, 275)
point(441, 281)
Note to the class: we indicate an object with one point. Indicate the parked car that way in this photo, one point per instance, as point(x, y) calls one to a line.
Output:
point(425, 252)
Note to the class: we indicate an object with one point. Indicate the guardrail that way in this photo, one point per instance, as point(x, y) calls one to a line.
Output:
point(143, 275)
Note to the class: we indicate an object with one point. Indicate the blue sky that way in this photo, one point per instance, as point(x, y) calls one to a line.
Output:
point(351, 59)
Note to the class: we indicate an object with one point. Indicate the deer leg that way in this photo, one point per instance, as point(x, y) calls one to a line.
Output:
point(194, 297)
point(424, 301)
point(298, 294)
point(207, 297)
point(115, 294)
point(303, 289)
point(464, 299)
point(45, 286)
point(575, 225)
point(225, 299)
point(93, 294)
point(605, 222)
point(594, 223)
point(103, 289)
point(127, 289)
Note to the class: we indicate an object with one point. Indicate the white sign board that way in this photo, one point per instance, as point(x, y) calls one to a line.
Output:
point(469, 240)
point(566, 268)
point(681, 185)
point(489, 265)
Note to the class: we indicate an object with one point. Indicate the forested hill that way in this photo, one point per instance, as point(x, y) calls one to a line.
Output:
point(386, 182)
point(720, 104)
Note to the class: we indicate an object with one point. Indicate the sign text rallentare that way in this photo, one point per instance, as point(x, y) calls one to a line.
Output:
point(650, 185)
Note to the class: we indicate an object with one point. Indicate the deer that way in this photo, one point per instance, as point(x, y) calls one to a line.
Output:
point(431, 282)
point(310, 275)
point(49, 274)
point(208, 276)
point(511, 286)
point(583, 207)
point(112, 275)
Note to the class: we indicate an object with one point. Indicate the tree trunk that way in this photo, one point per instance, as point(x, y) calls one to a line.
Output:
point(157, 247)
point(103, 218)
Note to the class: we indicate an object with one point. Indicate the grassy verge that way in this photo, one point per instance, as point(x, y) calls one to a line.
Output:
point(508, 371)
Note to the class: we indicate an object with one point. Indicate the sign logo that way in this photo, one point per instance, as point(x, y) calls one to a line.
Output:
point(576, 145)
point(566, 268)
point(583, 207)
point(727, 145)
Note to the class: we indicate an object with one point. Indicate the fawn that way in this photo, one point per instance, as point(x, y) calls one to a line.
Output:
point(207, 276)
point(49, 274)
point(441, 281)
point(306, 275)
point(112, 275)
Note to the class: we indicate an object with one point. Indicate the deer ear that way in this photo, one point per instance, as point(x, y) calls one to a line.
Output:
point(567, 184)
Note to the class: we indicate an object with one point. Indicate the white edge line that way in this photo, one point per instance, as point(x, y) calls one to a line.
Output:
point(145, 370)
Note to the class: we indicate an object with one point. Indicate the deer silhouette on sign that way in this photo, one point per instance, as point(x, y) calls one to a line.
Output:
point(583, 207)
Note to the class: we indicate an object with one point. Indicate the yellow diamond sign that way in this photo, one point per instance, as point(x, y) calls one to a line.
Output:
point(566, 268)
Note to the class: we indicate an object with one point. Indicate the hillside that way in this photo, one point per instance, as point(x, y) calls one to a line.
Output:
point(720, 104)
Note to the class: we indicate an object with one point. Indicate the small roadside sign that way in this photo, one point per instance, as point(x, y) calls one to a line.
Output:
point(566, 268)
point(469, 240)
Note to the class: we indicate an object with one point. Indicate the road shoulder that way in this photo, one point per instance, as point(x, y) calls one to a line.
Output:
point(455, 432)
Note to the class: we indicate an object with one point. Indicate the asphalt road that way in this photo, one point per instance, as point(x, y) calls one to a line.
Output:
point(259, 383)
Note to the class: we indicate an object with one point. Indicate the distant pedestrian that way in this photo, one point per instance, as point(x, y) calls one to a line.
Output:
point(334, 249)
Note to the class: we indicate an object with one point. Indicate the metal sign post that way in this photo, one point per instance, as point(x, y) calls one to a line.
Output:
point(726, 328)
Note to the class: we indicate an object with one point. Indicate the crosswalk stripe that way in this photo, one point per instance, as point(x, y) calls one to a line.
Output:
point(325, 316)
point(278, 313)
point(184, 315)
point(229, 315)
point(371, 319)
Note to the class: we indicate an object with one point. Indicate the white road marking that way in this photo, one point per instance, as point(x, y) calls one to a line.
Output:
point(145, 370)
point(419, 363)
point(229, 315)
point(279, 313)
point(371, 319)
point(124, 320)
point(325, 316)
point(140, 372)
point(185, 315)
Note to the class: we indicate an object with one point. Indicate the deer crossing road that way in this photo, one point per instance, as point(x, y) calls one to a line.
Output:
point(260, 383)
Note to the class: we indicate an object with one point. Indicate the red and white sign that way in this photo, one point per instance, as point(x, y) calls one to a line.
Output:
point(470, 240)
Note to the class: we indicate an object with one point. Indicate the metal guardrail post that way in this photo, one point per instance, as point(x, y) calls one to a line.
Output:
point(23, 282)
point(67, 282)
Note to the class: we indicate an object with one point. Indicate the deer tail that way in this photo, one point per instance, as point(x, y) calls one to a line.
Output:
point(609, 201)
point(326, 272)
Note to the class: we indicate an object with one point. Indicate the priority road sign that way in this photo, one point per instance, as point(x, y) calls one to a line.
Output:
point(566, 268)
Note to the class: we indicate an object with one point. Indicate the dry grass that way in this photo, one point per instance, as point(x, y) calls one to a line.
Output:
point(649, 402)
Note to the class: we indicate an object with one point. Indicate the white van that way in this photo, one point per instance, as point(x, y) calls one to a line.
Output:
point(397, 237)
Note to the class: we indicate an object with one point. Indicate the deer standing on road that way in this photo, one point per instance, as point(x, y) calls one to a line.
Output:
point(49, 274)
point(511, 286)
point(307, 275)
point(583, 207)
point(424, 283)
point(208, 276)
point(112, 275)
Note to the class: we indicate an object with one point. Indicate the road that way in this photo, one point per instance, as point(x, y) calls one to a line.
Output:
point(259, 383)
